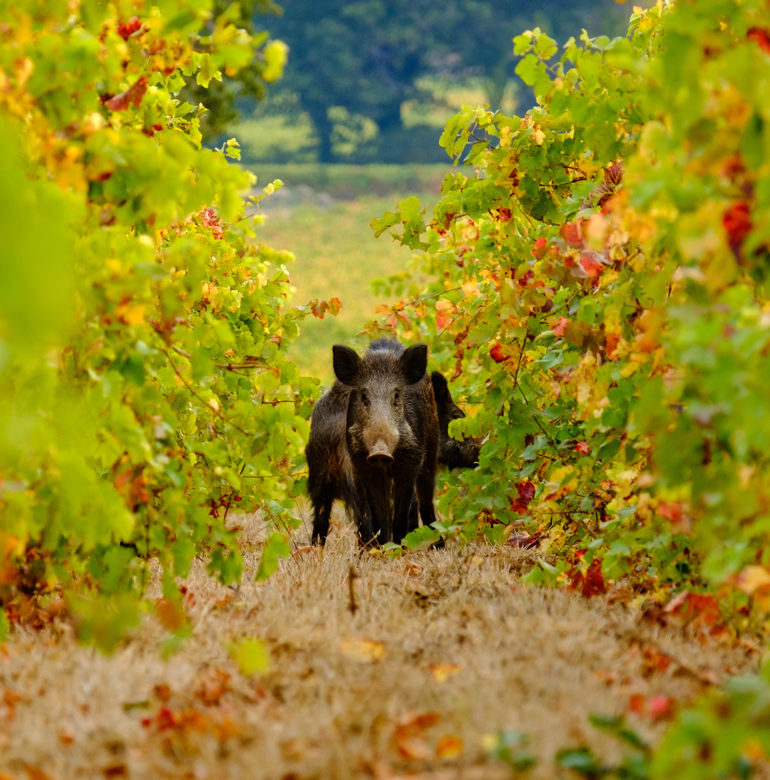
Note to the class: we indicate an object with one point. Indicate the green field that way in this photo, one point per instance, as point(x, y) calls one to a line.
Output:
point(337, 254)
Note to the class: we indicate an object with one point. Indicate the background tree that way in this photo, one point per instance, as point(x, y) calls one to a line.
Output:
point(368, 56)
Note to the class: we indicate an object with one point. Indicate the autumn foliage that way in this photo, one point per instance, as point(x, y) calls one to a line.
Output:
point(143, 384)
point(605, 260)
point(606, 256)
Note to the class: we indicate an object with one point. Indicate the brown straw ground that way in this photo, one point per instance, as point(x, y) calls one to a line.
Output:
point(378, 668)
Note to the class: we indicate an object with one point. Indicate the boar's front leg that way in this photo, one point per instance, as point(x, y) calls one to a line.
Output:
point(404, 510)
point(372, 509)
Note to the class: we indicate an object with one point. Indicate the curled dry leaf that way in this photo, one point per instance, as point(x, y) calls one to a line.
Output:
point(364, 650)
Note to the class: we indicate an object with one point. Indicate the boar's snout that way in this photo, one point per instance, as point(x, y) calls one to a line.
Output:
point(379, 455)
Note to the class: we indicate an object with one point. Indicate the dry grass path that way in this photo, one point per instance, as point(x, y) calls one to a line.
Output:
point(407, 678)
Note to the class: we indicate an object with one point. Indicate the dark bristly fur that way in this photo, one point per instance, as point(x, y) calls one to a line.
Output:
point(374, 442)
point(452, 453)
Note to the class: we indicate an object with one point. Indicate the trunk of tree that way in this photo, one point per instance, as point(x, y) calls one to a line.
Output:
point(389, 117)
point(323, 130)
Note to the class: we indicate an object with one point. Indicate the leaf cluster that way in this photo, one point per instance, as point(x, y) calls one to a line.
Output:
point(597, 283)
point(144, 388)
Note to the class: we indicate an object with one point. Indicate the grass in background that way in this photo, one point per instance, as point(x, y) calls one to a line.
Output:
point(352, 182)
point(338, 256)
point(322, 215)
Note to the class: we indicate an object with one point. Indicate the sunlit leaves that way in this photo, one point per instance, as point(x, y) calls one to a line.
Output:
point(142, 317)
point(606, 273)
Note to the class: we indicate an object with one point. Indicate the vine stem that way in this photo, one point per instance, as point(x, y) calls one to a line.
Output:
point(190, 388)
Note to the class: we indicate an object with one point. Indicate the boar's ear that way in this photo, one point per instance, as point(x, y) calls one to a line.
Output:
point(413, 362)
point(346, 363)
point(440, 389)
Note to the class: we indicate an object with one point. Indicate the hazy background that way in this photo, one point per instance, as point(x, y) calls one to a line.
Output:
point(353, 125)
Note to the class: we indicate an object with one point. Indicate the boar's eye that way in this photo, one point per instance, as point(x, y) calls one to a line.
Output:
point(396, 397)
point(365, 399)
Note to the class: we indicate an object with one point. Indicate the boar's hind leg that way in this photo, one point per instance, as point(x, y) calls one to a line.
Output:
point(323, 489)
point(322, 509)
point(426, 484)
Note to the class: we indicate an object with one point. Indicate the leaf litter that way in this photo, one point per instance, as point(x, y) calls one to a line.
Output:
point(444, 657)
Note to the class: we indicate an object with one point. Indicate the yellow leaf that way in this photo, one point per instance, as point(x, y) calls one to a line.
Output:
point(131, 313)
point(364, 650)
point(753, 578)
point(251, 656)
point(442, 672)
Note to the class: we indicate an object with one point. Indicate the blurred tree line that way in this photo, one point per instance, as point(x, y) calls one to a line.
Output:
point(353, 65)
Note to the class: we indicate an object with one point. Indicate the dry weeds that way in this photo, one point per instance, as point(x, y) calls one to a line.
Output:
point(433, 653)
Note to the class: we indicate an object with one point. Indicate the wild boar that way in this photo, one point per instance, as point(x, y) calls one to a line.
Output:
point(373, 443)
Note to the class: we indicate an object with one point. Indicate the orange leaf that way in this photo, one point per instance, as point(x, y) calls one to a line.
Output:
point(449, 747)
point(560, 326)
point(409, 735)
point(129, 97)
point(572, 232)
point(171, 614)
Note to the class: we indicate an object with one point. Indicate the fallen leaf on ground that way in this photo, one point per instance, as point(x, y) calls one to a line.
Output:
point(442, 672)
point(449, 747)
point(362, 649)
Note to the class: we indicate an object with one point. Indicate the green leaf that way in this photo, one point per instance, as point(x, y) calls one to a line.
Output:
point(580, 760)
point(104, 621)
point(421, 538)
point(251, 656)
point(276, 547)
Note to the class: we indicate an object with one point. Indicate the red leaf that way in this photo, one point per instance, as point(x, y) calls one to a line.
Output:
point(659, 706)
point(656, 707)
point(654, 661)
point(590, 263)
point(526, 491)
point(737, 224)
point(540, 249)
point(589, 582)
point(525, 278)
point(761, 37)
point(497, 354)
point(613, 174)
point(210, 220)
point(524, 540)
point(129, 97)
point(583, 447)
point(127, 29)
point(698, 610)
